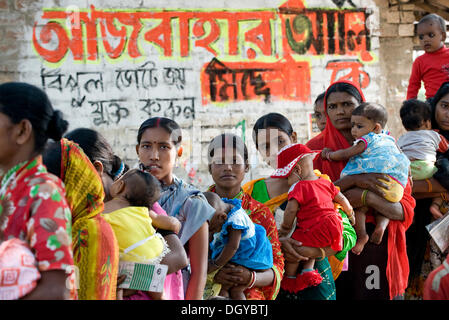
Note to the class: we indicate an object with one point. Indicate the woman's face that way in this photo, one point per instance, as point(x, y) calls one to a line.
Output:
point(339, 108)
point(270, 141)
point(442, 113)
point(7, 142)
point(157, 152)
point(228, 168)
point(320, 115)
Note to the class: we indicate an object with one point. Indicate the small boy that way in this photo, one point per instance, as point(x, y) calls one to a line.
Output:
point(433, 66)
point(421, 144)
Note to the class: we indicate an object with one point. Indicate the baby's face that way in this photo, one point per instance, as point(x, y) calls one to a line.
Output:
point(218, 218)
point(430, 36)
point(361, 126)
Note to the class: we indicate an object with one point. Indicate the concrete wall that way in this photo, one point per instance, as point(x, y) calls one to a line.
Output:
point(213, 66)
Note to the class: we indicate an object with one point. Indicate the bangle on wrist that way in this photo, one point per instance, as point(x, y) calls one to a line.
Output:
point(429, 185)
point(323, 255)
point(252, 282)
point(364, 193)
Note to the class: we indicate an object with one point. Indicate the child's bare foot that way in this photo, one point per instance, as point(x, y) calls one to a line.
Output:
point(377, 235)
point(360, 244)
point(435, 211)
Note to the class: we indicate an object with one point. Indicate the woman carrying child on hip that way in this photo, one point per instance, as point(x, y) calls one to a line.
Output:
point(373, 151)
point(310, 201)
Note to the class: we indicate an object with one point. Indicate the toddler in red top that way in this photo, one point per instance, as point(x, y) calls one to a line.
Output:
point(432, 67)
point(310, 201)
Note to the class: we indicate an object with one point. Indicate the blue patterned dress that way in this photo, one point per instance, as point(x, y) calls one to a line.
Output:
point(381, 155)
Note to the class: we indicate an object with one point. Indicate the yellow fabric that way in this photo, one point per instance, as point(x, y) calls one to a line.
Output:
point(211, 289)
point(396, 191)
point(137, 220)
point(95, 248)
point(274, 203)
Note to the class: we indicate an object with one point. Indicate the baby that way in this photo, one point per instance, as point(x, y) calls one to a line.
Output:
point(373, 151)
point(238, 240)
point(421, 144)
point(310, 201)
point(430, 67)
point(129, 215)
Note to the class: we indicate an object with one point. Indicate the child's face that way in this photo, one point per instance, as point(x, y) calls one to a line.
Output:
point(320, 115)
point(294, 175)
point(430, 36)
point(361, 126)
point(218, 218)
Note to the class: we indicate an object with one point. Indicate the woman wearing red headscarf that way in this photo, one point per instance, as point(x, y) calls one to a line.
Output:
point(380, 271)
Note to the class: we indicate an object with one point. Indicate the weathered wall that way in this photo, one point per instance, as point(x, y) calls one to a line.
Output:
point(213, 66)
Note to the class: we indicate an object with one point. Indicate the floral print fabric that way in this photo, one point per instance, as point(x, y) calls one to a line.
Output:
point(34, 209)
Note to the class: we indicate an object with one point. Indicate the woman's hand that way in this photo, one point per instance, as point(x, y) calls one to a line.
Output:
point(233, 275)
point(291, 250)
point(325, 153)
point(370, 181)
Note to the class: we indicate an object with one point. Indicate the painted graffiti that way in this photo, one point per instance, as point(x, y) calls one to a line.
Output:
point(255, 80)
point(348, 70)
point(249, 34)
point(85, 88)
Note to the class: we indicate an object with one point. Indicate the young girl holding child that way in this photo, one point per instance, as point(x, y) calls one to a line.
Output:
point(238, 240)
point(310, 201)
point(374, 151)
point(420, 144)
point(129, 215)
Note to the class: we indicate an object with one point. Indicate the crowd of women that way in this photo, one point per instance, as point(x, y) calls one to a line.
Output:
point(56, 186)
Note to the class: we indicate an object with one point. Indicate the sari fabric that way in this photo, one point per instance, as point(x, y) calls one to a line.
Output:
point(331, 138)
point(95, 247)
point(33, 209)
point(260, 214)
point(397, 265)
point(349, 235)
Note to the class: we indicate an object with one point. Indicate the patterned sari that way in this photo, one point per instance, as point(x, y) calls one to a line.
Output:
point(34, 210)
point(95, 248)
point(260, 214)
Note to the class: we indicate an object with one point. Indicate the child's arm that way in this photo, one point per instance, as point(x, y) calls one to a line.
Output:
point(344, 154)
point(228, 251)
point(347, 208)
point(414, 82)
point(289, 217)
point(165, 222)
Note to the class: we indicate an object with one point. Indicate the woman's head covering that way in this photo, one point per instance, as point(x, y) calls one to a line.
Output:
point(442, 91)
point(330, 137)
point(84, 189)
point(95, 247)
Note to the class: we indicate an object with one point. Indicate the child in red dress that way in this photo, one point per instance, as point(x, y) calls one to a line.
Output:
point(310, 201)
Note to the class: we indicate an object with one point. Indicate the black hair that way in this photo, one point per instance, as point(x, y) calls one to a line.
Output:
point(436, 18)
point(320, 97)
point(212, 198)
point(275, 120)
point(373, 111)
point(19, 101)
point(169, 125)
point(442, 91)
point(51, 158)
point(228, 140)
point(96, 147)
point(139, 196)
point(413, 113)
point(344, 87)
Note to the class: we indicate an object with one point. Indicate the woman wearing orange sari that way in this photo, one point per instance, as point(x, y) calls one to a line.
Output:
point(228, 164)
point(95, 248)
point(390, 257)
